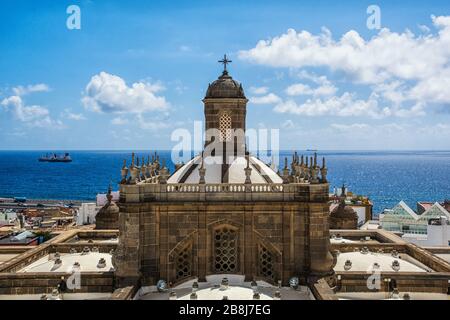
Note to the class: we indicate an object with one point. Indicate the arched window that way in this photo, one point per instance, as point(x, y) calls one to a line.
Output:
point(225, 241)
point(225, 127)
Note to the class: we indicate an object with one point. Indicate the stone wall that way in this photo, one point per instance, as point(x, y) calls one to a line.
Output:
point(38, 283)
point(163, 226)
point(406, 282)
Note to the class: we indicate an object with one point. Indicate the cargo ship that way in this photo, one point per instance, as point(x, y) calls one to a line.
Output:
point(53, 157)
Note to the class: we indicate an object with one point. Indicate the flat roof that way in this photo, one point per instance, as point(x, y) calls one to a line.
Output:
point(364, 262)
point(88, 263)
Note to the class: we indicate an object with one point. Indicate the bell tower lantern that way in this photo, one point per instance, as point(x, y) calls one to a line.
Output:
point(225, 108)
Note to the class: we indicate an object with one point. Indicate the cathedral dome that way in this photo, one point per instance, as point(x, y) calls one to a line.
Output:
point(344, 211)
point(260, 173)
point(225, 87)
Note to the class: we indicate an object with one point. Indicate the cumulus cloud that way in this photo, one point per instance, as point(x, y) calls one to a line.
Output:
point(24, 90)
point(270, 98)
point(259, 90)
point(299, 89)
point(68, 114)
point(346, 105)
point(400, 68)
point(33, 116)
point(110, 94)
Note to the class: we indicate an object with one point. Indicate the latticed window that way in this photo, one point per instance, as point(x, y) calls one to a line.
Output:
point(225, 250)
point(266, 261)
point(225, 127)
point(184, 263)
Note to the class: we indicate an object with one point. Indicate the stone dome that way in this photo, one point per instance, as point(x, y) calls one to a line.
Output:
point(260, 173)
point(344, 211)
point(108, 216)
point(225, 87)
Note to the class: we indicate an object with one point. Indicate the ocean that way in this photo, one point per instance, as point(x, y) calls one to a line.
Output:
point(385, 176)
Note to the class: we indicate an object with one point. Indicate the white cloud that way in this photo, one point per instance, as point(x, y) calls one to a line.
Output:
point(299, 89)
point(110, 94)
point(414, 69)
point(346, 105)
point(119, 121)
point(424, 28)
point(270, 98)
point(24, 90)
point(33, 116)
point(259, 90)
point(388, 54)
point(76, 116)
point(68, 114)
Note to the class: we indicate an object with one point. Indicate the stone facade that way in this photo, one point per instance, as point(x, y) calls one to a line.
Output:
point(293, 235)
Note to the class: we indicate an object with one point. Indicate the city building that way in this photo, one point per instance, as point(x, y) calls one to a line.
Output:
point(429, 227)
point(86, 213)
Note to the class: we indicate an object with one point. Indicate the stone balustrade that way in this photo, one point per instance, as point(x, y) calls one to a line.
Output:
point(149, 192)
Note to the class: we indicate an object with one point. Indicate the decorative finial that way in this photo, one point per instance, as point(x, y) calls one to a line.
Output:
point(343, 190)
point(202, 161)
point(124, 172)
point(225, 61)
point(132, 159)
point(202, 171)
point(109, 195)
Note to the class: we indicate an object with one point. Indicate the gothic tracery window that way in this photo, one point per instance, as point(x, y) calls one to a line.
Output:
point(225, 127)
point(184, 263)
point(225, 250)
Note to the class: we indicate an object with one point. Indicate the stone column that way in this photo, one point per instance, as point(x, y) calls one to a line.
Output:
point(126, 259)
point(321, 260)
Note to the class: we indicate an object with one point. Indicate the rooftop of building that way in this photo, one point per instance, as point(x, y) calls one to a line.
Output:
point(85, 261)
point(236, 289)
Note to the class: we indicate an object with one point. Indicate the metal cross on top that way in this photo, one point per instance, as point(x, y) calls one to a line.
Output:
point(225, 61)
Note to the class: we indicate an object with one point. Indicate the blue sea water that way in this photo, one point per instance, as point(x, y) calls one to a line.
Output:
point(385, 176)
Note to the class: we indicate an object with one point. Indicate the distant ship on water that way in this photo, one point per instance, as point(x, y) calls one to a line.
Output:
point(53, 157)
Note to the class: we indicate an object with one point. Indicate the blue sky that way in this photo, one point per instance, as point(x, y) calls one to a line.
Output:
point(136, 71)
